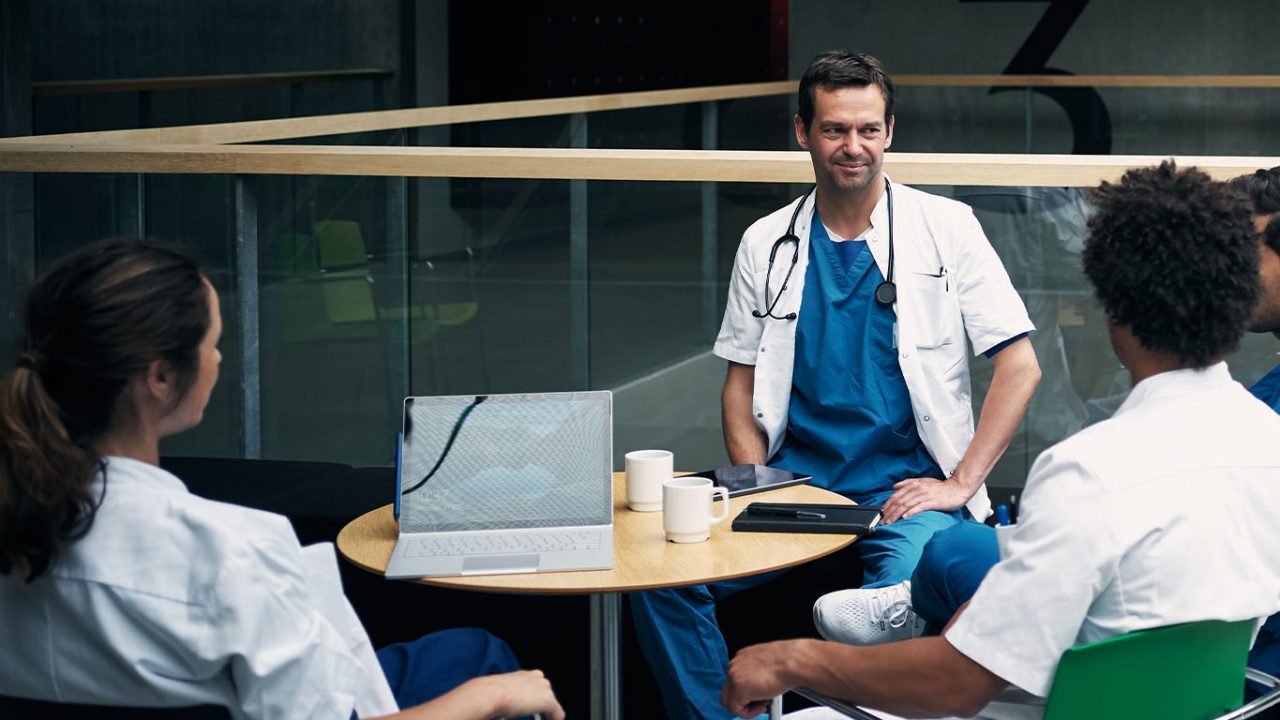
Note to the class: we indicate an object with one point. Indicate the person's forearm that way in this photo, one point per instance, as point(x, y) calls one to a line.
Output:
point(1016, 376)
point(513, 694)
point(926, 677)
point(743, 439)
point(744, 442)
point(465, 702)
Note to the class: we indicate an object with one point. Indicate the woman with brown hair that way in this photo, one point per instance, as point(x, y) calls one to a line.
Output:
point(118, 586)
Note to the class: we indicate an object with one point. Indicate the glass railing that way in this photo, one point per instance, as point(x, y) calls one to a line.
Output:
point(518, 286)
point(1103, 120)
point(344, 293)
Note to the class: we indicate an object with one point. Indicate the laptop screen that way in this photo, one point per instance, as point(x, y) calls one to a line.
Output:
point(484, 462)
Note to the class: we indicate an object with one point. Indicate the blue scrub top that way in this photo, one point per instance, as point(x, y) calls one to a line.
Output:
point(1267, 389)
point(1265, 654)
point(850, 423)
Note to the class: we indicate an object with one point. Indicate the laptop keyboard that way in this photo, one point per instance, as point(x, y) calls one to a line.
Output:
point(504, 544)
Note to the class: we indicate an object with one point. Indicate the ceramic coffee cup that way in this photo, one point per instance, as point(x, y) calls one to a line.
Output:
point(646, 471)
point(687, 514)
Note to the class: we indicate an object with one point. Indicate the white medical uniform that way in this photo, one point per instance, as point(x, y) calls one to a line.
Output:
point(172, 600)
point(1164, 514)
point(950, 282)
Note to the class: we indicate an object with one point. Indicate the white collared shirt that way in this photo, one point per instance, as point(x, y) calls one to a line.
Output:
point(1165, 513)
point(173, 600)
point(950, 283)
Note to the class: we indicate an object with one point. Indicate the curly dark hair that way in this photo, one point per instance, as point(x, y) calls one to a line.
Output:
point(1263, 188)
point(1173, 256)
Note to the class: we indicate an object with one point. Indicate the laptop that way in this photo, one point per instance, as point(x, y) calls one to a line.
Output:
point(505, 484)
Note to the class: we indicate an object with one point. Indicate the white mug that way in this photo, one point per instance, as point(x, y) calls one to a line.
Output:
point(686, 508)
point(646, 471)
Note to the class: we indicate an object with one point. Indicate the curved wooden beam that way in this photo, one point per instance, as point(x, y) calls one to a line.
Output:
point(587, 164)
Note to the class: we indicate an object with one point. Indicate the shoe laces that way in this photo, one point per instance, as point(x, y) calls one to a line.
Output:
point(888, 613)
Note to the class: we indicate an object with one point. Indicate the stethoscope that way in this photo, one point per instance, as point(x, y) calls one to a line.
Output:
point(886, 292)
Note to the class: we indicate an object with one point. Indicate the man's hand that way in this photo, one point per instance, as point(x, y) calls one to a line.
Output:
point(757, 674)
point(513, 694)
point(925, 677)
point(916, 495)
point(521, 693)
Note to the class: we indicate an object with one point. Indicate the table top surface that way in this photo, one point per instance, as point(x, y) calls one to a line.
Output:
point(642, 557)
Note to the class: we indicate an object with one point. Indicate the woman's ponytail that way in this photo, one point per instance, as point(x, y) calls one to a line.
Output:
point(40, 502)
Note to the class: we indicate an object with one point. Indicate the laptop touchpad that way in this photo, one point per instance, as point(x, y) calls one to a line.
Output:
point(500, 563)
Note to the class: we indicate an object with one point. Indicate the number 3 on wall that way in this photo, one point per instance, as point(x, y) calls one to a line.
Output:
point(1090, 121)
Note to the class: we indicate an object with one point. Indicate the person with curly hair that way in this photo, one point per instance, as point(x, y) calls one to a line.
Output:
point(1263, 189)
point(1162, 514)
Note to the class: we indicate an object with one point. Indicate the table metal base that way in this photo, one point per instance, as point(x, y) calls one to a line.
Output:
point(606, 656)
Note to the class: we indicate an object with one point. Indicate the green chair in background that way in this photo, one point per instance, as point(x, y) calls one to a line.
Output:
point(339, 245)
point(331, 292)
point(1193, 671)
point(349, 292)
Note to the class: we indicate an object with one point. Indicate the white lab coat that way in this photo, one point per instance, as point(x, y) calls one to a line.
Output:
point(950, 282)
point(173, 600)
point(1163, 514)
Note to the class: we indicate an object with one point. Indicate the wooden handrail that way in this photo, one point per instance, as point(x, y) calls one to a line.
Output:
point(323, 125)
point(588, 164)
point(151, 84)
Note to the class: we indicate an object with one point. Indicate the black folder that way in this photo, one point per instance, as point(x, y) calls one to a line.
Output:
point(804, 518)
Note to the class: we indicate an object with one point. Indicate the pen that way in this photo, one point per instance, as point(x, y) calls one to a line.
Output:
point(786, 512)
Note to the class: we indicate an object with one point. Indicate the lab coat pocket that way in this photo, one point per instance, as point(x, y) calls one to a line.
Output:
point(933, 310)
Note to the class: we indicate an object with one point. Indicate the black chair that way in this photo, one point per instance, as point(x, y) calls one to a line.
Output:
point(24, 709)
point(319, 498)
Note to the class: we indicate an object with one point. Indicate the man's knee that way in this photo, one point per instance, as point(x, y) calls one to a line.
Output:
point(957, 558)
point(946, 542)
point(479, 651)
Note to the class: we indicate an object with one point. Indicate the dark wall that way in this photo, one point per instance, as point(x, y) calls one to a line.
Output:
point(1081, 37)
point(536, 50)
point(17, 261)
point(86, 40)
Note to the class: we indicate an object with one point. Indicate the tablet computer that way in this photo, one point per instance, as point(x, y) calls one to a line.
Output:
point(747, 479)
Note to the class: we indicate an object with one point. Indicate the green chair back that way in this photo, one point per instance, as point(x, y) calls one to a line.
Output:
point(339, 244)
point(1181, 672)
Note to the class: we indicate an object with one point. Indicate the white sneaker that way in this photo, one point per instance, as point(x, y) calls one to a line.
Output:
point(868, 617)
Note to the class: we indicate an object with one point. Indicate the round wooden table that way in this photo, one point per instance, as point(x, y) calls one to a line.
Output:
point(642, 560)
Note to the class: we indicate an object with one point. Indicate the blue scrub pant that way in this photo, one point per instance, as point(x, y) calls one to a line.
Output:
point(434, 664)
point(682, 643)
point(1265, 655)
point(951, 568)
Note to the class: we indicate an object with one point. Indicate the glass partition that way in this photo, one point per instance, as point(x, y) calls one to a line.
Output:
point(341, 295)
point(1109, 120)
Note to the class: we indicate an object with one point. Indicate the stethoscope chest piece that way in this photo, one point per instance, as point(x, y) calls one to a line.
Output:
point(886, 293)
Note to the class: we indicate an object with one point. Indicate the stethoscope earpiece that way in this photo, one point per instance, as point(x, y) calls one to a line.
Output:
point(886, 293)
